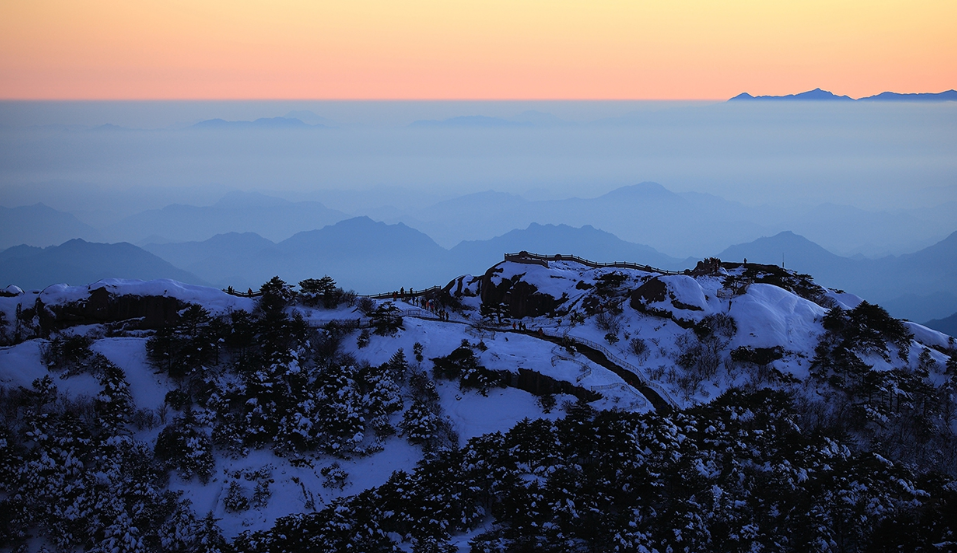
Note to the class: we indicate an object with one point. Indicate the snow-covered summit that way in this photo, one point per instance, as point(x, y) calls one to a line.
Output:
point(286, 403)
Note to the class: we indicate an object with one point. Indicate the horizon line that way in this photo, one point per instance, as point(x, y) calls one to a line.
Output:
point(384, 99)
point(426, 99)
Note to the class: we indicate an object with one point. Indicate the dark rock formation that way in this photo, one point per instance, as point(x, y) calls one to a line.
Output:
point(102, 307)
point(523, 299)
point(653, 291)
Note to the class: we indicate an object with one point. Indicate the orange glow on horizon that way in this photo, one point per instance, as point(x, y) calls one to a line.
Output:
point(470, 49)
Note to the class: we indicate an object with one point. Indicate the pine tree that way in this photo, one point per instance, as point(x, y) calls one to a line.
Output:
point(114, 404)
point(398, 365)
point(276, 295)
point(323, 290)
point(382, 395)
point(339, 412)
point(186, 447)
point(420, 423)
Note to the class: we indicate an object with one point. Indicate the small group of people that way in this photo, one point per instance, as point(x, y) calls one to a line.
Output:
point(400, 295)
point(520, 325)
point(411, 298)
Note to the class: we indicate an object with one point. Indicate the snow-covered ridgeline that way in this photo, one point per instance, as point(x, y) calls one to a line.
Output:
point(653, 325)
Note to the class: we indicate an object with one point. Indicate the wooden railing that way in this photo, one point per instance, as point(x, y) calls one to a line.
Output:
point(525, 257)
point(402, 295)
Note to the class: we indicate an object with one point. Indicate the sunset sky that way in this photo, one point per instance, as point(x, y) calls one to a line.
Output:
point(472, 49)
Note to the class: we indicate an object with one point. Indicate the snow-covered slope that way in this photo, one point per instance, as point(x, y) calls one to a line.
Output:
point(527, 340)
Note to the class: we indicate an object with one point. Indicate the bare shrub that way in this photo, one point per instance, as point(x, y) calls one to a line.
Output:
point(349, 298)
point(608, 321)
point(365, 305)
point(640, 349)
point(699, 358)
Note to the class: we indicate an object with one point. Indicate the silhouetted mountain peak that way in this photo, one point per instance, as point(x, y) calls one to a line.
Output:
point(769, 249)
point(941, 254)
point(77, 261)
point(945, 96)
point(40, 225)
point(813, 95)
point(245, 239)
point(346, 235)
point(818, 94)
point(947, 325)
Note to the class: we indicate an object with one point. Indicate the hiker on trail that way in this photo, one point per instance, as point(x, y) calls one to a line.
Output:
point(402, 292)
point(541, 331)
point(513, 325)
point(395, 296)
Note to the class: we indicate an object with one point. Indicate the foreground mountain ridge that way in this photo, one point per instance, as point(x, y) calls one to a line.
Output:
point(311, 417)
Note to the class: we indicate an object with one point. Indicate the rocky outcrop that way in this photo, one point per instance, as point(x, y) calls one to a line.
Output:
point(653, 291)
point(102, 307)
point(521, 298)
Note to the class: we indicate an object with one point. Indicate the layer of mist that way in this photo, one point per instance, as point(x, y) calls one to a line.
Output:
point(684, 180)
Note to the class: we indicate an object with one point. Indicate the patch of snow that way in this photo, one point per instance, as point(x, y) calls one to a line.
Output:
point(844, 299)
point(23, 363)
point(928, 336)
point(147, 387)
point(768, 316)
point(686, 290)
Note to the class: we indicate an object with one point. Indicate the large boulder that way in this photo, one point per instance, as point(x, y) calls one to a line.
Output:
point(522, 298)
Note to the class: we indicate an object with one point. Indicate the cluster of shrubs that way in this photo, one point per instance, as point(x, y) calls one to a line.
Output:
point(911, 412)
point(72, 473)
point(462, 365)
point(735, 475)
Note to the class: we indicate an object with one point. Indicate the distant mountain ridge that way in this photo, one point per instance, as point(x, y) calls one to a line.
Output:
point(679, 223)
point(41, 226)
point(237, 212)
point(917, 286)
point(78, 262)
point(811, 95)
point(587, 241)
point(947, 325)
point(374, 257)
point(823, 95)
